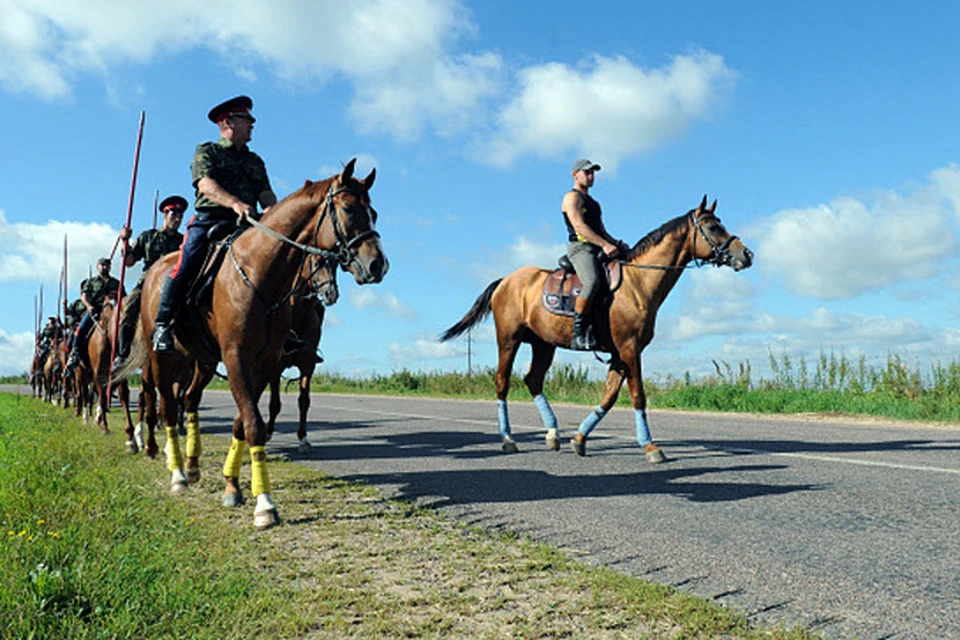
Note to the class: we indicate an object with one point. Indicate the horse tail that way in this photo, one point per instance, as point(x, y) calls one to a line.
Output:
point(137, 358)
point(481, 309)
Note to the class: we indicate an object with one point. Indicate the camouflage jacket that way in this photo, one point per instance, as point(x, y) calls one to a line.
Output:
point(241, 173)
point(97, 290)
point(153, 244)
point(48, 333)
point(75, 311)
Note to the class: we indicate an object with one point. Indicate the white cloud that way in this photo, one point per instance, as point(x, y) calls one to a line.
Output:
point(609, 109)
point(367, 298)
point(397, 54)
point(34, 252)
point(407, 355)
point(16, 353)
point(842, 249)
point(521, 253)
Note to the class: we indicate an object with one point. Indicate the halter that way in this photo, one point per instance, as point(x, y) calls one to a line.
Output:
point(344, 251)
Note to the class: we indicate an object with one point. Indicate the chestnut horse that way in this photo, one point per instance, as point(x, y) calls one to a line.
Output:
point(624, 327)
point(308, 312)
point(246, 316)
point(98, 352)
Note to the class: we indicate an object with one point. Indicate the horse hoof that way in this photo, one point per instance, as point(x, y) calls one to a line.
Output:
point(178, 487)
point(266, 519)
point(304, 446)
point(579, 445)
point(553, 442)
point(132, 447)
point(193, 475)
point(509, 446)
point(233, 499)
point(655, 454)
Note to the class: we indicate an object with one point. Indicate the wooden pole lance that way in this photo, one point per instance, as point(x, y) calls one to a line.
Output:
point(123, 254)
point(156, 197)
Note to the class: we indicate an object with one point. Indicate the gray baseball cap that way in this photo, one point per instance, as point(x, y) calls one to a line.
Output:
point(584, 165)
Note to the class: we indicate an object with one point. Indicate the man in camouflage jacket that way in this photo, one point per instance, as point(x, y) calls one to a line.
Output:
point(94, 293)
point(229, 180)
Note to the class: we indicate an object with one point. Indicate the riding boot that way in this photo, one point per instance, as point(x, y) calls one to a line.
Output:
point(167, 310)
point(124, 340)
point(583, 339)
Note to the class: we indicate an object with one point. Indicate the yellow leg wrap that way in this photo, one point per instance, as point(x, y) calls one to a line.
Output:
point(193, 435)
point(175, 459)
point(259, 481)
point(231, 468)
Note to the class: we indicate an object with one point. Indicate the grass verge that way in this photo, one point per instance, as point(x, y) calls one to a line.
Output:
point(94, 546)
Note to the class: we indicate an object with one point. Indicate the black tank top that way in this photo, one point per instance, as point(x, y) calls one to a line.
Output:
point(591, 216)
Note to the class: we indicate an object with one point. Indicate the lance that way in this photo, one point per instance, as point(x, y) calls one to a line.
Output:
point(156, 196)
point(123, 259)
point(65, 279)
point(36, 336)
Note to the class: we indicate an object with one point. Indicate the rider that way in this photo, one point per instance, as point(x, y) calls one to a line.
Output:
point(589, 241)
point(48, 336)
point(73, 315)
point(150, 246)
point(229, 181)
point(95, 292)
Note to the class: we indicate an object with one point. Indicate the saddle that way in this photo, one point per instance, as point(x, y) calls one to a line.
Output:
point(563, 285)
point(189, 326)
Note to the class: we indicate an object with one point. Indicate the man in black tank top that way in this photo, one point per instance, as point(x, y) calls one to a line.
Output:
point(588, 241)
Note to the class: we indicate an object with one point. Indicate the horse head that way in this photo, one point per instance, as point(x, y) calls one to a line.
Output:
point(353, 226)
point(721, 247)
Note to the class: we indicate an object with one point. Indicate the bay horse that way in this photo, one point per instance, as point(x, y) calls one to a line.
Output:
point(99, 359)
point(246, 316)
point(308, 313)
point(624, 326)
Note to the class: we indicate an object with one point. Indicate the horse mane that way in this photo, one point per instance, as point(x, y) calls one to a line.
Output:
point(675, 226)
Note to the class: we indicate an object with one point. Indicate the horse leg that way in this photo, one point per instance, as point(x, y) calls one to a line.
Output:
point(191, 405)
point(614, 381)
point(274, 404)
point(654, 454)
point(241, 374)
point(141, 413)
point(507, 348)
point(542, 359)
point(232, 496)
point(303, 403)
point(123, 394)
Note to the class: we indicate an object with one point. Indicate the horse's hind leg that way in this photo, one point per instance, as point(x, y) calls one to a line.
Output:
point(542, 359)
point(303, 403)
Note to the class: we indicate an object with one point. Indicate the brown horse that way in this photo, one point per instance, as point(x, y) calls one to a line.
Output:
point(246, 315)
point(624, 326)
point(308, 312)
point(98, 359)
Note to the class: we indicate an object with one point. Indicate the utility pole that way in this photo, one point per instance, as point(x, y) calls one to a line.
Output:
point(469, 352)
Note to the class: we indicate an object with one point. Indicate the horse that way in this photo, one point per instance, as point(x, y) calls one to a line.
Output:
point(308, 312)
point(99, 358)
point(245, 315)
point(624, 323)
point(50, 377)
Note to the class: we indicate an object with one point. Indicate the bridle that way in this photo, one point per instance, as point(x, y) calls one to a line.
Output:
point(719, 257)
point(344, 253)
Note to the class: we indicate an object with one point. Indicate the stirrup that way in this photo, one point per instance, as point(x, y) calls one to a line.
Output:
point(163, 338)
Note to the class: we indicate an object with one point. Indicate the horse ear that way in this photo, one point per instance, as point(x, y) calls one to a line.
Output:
point(347, 172)
point(713, 207)
point(703, 203)
point(368, 181)
point(306, 183)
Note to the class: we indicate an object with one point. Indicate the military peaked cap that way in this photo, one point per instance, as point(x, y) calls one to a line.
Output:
point(173, 202)
point(239, 106)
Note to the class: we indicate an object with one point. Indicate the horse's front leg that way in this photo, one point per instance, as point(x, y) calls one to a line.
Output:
point(254, 434)
point(611, 391)
point(123, 395)
point(653, 453)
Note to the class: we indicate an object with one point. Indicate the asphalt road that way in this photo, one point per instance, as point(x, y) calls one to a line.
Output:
point(849, 528)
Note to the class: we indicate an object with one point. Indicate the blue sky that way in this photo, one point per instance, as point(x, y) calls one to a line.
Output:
point(827, 131)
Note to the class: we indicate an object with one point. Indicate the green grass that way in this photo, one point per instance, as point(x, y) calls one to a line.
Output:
point(94, 546)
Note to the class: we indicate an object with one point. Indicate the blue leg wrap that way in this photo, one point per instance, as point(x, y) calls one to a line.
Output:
point(503, 420)
point(643, 429)
point(591, 421)
point(546, 413)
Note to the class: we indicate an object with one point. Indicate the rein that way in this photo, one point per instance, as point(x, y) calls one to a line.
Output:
point(721, 253)
point(342, 254)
